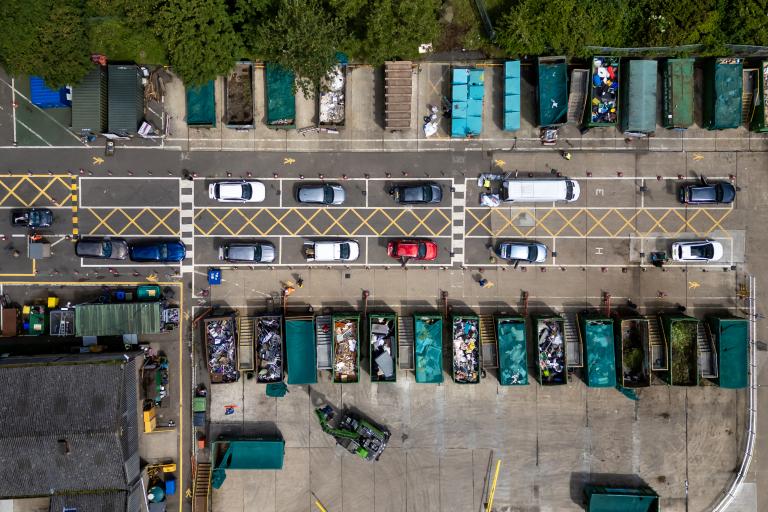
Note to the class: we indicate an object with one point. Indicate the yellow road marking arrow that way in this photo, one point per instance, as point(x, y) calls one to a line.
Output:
point(97, 160)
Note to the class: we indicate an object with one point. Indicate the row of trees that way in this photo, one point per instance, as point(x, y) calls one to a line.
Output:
point(203, 38)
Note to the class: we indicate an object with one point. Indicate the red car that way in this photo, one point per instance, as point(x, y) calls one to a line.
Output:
point(412, 249)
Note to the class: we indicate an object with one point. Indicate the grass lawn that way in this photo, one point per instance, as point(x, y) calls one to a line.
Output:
point(112, 38)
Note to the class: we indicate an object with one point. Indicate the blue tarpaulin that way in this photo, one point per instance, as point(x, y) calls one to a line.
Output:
point(45, 97)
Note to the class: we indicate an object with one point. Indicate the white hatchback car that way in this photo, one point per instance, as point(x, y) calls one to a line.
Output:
point(332, 250)
point(237, 191)
point(697, 250)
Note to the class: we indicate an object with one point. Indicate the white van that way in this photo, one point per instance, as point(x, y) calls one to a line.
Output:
point(532, 190)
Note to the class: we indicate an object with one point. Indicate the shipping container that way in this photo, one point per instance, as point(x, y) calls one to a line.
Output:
point(513, 350)
point(512, 95)
point(238, 97)
point(281, 100)
point(428, 348)
point(597, 333)
point(220, 349)
point(382, 329)
point(638, 104)
point(602, 107)
point(346, 348)
point(632, 351)
point(201, 105)
point(681, 334)
point(759, 121)
point(677, 93)
point(552, 91)
point(466, 349)
point(731, 337)
point(551, 360)
point(722, 93)
point(301, 358)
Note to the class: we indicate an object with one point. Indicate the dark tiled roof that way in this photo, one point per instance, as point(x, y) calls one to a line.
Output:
point(97, 502)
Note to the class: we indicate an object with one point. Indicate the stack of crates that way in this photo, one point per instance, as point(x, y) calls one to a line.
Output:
point(467, 91)
point(512, 95)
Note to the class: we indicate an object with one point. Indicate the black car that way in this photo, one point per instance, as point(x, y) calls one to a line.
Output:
point(32, 218)
point(707, 193)
point(417, 193)
point(102, 248)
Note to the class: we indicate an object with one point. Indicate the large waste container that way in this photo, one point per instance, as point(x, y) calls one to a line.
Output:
point(281, 100)
point(466, 349)
point(269, 348)
point(428, 348)
point(551, 360)
point(759, 121)
point(603, 93)
point(552, 91)
point(731, 337)
point(513, 353)
point(597, 333)
point(512, 95)
point(221, 349)
point(346, 348)
point(238, 97)
point(722, 93)
point(677, 93)
point(681, 333)
point(632, 351)
point(382, 328)
point(201, 105)
point(301, 357)
point(638, 104)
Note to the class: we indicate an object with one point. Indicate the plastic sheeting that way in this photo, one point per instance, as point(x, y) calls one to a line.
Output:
point(638, 113)
point(201, 105)
point(553, 92)
point(599, 348)
point(513, 356)
point(300, 351)
point(281, 101)
point(732, 341)
point(428, 349)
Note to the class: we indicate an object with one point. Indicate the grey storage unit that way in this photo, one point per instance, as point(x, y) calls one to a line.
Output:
point(89, 102)
point(126, 98)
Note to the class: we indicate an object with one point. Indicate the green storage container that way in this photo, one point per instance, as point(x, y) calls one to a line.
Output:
point(759, 121)
point(677, 93)
point(681, 334)
point(597, 333)
point(382, 330)
point(428, 348)
point(601, 498)
point(632, 351)
point(722, 93)
point(513, 350)
point(551, 359)
point(465, 347)
point(552, 92)
point(638, 104)
point(603, 93)
point(281, 100)
point(731, 337)
point(346, 348)
point(201, 105)
point(301, 356)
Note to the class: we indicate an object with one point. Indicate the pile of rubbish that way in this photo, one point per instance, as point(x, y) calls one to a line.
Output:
point(332, 99)
point(382, 349)
point(155, 377)
point(345, 358)
point(220, 343)
point(605, 89)
point(466, 349)
point(551, 351)
point(269, 347)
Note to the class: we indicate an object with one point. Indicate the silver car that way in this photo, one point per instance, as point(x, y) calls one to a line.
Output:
point(256, 252)
point(102, 248)
point(323, 193)
point(532, 252)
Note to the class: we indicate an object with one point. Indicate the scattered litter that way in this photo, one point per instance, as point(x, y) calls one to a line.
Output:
point(491, 200)
point(466, 350)
point(269, 347)
point(229, 409)
point(605, 89)
point(220, 345)
point(345, 363)
point(551, 351)
point(154, 373)
point(383, 348)
point(332, 99)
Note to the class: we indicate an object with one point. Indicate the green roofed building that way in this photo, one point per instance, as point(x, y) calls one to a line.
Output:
point(614, 499)
point(89, 102)
point(126, 98)
point(118, 319)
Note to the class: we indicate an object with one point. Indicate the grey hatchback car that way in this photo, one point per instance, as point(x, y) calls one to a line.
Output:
point(323, 193)
point(102, 248)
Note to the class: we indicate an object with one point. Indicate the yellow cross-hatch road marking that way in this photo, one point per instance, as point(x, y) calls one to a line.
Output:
point(128, 221)
point(415, 222)
point(585, 222)
point(35, 190)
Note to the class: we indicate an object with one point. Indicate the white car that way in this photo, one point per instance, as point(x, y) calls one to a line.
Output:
point(697, 250)
point(332, 250)
point(237, 191)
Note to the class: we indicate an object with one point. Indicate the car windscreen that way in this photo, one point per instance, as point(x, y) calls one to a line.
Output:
point(703, 251)
point(427, 193)
point(247, 191)
point(106, 248)
point(163, 251)
point(533, 253)
point(569, 190)
point(328, 194)
point(344, 251)
point(719, 192)
point(422, 252)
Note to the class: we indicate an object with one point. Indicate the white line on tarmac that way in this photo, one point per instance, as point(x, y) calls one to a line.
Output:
point(13, 108)
point(310, 236)
point(143, 178)
point(33, 132)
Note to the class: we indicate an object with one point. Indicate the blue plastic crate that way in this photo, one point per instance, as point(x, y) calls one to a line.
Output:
point(476, 76)
point(460, 93)
point(475, 108)
point(214, 276)
point(460, 76)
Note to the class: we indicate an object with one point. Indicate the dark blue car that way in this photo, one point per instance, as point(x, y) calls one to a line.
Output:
point(158, 251)
point(705, 192)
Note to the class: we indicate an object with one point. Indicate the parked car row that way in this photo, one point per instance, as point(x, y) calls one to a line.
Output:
point(155, 251)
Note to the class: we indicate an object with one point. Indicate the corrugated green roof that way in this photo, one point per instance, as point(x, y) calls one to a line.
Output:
point(599, 348)
point(117, 319)
point(732, 339)
point(639, 111)
point(89, 102)
point(300, 351)
point(677, 106)
point(126, 99)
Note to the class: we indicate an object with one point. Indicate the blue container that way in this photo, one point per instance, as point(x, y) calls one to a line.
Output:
point(214, 276)
point(170, 485)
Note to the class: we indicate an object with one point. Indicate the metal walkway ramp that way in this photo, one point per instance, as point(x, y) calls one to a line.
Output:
point(201, 487)
point(405, 342)
point(245, 344)
point(572, 341)
point(488, 342)
point(323, 333)
point(578, 95)
point(658, 345)
point(707, 355)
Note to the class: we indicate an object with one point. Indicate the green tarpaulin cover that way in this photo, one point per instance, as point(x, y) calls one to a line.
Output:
point(513, 358)
point(117, 319)
point(428, 349)
point(246, 454)
point(722, 93)
point(598, 344)
point(201, 105)
point(677, 105)
point(732, 341)
point(281, 101)
point(553, 93)
point(639, 111)
point(300, 348)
